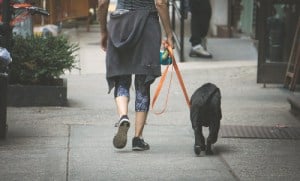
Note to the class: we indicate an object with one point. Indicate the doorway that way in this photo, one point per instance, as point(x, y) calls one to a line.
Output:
point(276, 25)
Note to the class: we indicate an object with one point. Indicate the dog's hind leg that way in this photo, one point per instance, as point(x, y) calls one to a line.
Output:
point(197, 127)
point(199, 140)
point(212, 136)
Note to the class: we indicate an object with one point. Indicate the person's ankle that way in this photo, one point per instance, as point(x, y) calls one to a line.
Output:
point(124, 116)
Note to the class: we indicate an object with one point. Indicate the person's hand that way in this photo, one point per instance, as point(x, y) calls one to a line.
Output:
point(103, 41)
point(170, 41)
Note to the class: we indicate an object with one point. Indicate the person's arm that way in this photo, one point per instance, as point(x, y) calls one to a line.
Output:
point(163, 12)
point(102, 16)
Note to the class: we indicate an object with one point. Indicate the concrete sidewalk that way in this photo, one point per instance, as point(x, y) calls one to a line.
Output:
point(75, 142)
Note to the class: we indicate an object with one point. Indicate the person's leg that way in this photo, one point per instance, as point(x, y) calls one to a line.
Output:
point(205, 16)
point(200, 20)
point(122, 105)
point(122, 96)
point(195, 22)
point(140, 120)
point(142, 103)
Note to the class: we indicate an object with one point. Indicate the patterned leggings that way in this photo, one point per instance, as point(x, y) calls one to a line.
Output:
point(142, 91)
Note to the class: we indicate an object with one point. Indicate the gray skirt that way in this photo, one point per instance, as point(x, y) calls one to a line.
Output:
point(142, 58)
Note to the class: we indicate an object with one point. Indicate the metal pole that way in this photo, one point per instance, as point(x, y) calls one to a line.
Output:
point(43, 19)
point(6, 29)
point(182, 17)
point(3, 104)
point(6, 35)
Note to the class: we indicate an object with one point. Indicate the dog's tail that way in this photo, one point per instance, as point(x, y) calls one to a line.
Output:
point(212, 94)
point(204, 94)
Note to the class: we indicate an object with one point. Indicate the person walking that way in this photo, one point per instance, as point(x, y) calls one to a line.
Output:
point(140, 58)
point(200, 19)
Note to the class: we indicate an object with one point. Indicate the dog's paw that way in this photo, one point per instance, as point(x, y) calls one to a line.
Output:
point(209, 152)
point(197, 149)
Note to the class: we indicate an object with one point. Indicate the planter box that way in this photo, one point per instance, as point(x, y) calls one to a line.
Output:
point(38, 95)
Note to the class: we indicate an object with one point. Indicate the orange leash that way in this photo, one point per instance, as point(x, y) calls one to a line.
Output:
point(159, 87)
point(163, 78)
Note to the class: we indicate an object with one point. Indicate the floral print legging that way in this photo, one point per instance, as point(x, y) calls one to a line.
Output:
point(142, 91)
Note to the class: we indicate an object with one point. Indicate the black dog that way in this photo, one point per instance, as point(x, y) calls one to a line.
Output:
point(206, 111)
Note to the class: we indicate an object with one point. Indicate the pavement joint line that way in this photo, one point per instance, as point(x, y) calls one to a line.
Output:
point(68, 153)
point(228, 167)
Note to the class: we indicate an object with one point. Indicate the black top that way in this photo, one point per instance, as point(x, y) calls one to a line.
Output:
point(136, 4)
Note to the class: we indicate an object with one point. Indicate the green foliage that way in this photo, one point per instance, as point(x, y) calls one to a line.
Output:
point(40, 60)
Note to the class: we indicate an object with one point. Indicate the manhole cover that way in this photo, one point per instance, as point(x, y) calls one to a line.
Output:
point(260, 132)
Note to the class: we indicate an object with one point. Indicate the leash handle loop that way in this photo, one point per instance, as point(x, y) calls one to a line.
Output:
point(163, 78)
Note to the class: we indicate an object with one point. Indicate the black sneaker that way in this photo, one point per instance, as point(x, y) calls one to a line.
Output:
point(120, 138)
point(138, 144)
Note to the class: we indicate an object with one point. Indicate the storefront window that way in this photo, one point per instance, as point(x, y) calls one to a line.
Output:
point(278, 34)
